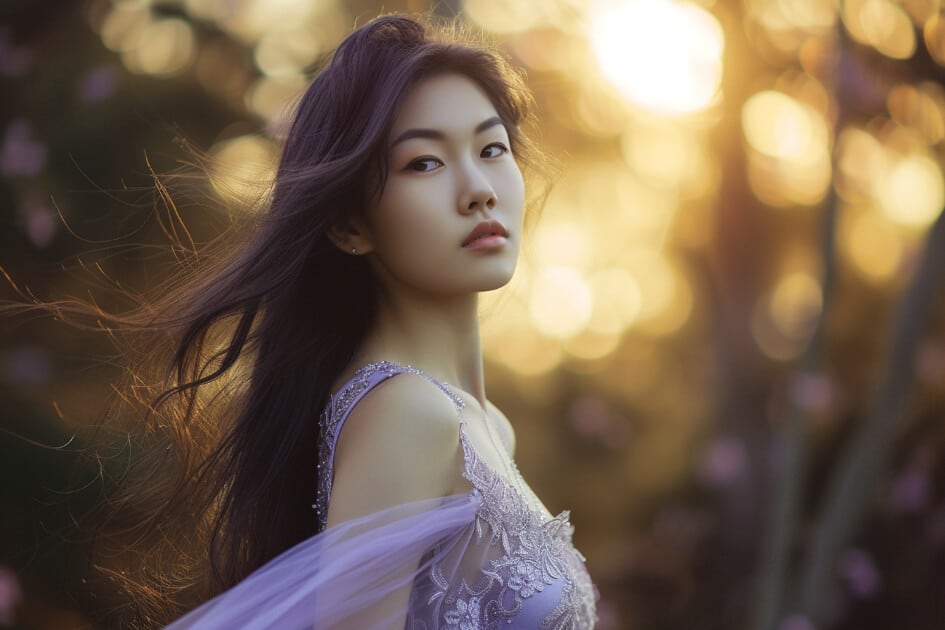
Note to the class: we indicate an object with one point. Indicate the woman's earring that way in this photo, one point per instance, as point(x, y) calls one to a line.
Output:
point(354, 250)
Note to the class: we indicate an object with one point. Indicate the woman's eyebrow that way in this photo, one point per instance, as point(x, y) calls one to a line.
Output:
point(435, 134)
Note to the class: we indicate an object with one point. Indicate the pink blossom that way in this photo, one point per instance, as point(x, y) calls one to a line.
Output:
point(18, 154)
point(813, 391)
point(797, 622)
point(98, 84)
point(723, 462)
point(10, 596)
point(860, 573)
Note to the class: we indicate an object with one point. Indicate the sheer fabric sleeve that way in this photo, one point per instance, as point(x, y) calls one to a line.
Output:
point(345, 574)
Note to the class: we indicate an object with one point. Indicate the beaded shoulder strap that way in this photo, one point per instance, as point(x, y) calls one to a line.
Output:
point(338, 409)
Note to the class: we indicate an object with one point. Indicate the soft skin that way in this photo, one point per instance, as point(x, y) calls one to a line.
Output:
point(440, 185)
point(450, 168)
point(401, 442)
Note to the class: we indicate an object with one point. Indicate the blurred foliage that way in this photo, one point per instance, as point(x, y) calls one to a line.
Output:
point(724, 350)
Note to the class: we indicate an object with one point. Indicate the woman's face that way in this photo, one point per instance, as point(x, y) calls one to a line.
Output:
point(451, 176)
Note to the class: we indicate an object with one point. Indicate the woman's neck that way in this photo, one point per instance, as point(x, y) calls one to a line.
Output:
point(440, 337)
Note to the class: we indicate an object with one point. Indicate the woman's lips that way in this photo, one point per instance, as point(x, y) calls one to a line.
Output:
point(485, 229)
point(491, 241)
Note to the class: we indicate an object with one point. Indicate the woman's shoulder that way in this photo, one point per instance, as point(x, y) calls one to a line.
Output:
point(400, 443)
point(409, 398)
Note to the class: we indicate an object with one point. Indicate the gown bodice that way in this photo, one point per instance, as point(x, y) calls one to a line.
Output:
point(513, 567)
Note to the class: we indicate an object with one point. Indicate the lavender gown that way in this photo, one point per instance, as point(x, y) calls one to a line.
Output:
point(493, 557)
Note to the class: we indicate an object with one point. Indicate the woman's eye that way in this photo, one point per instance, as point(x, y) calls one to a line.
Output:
point(494, 150)
point(424, 165)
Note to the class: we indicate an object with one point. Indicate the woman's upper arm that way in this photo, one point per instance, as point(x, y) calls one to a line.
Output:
point(399, 444)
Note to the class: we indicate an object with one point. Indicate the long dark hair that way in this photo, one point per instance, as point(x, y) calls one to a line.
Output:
point(232, 362)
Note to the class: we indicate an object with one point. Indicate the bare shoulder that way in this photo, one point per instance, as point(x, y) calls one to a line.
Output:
point(505, 427)
point(399, 444)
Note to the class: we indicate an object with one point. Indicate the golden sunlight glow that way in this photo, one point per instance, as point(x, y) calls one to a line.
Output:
point(792, 163)
point(242, 168)
point(768, 338)
point(811, 16)
point(934, 35)
point(782, 321)
point(562, 242)
point(509, 337)
point(663, 55)
point(795, 304)
point(502, 16)
point(872, 245)
point(560, 302)
point(286, 52)
point(676, 310)
point(272, 99)
point(882, 24)
point(920, 10)
point(515, 343)
point(665, 296)
point(598, 111)
point(220, 73)
point(123, 25)
point(165, 47)
point(616, 295)
point(529, 355)
point(920, 107)
point(210, 10)
point(665, 155)
point(779, 126)
point(912, 191)
point(590, 345)
point(860, 159)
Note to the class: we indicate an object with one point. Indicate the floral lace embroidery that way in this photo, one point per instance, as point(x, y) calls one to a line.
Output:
point(532, 549)
point(537, 550)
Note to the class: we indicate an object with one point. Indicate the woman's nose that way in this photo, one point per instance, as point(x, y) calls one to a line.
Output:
point(478, 193)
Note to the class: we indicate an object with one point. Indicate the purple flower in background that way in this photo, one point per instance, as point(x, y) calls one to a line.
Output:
point(797, 622)
point(18, 154)
point(911, 488)
point(26, 366)
point(39, 219)
point(858, 570)
point(813, 392)
point(592, 417)
point(930, 363)
point(10, 596)
point(98, 84)
point(13, 61)
point(723, 462)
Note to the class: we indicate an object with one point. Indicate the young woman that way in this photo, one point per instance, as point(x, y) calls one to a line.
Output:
point(346, 333)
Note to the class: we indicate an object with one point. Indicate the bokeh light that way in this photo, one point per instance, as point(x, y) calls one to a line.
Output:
point(791, 158)
point(911, 192)
point(783, 319)
point(242, 168)
point(872, 245)
point(882, 24)
point(663, 55)
point(164, 48)
point(934, 34)
point(665, 292)
point(560, 303)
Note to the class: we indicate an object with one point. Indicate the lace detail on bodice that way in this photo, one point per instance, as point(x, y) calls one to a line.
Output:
point(520, 568)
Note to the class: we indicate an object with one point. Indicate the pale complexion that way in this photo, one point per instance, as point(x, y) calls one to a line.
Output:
point(450, 168)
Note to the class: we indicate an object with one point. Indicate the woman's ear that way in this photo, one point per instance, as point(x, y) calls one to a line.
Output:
point(351, 237)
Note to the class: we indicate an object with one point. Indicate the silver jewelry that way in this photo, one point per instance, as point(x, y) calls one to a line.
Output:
point(354, 250)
